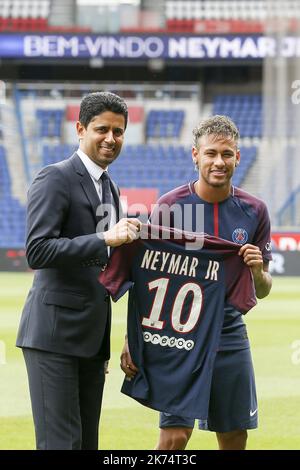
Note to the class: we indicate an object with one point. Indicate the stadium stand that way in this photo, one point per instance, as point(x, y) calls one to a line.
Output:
point(245, 110)
point(161, 123)
point(12, 213)
point(55, 153)
point(50, 122)
point(226, 16)
point(34, 15)
point(153, 166)
point(248, 157)
point(27, 15)
point(160, 163)
point(198, 16)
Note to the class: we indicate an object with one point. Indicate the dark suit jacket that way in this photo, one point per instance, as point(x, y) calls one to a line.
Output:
point(67, 310)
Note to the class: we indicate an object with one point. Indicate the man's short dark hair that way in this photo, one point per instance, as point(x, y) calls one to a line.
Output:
point(99, 102)
point(218, 125)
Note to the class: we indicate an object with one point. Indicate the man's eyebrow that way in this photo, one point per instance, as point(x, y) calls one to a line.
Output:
point(100, 126)
point(210, 149)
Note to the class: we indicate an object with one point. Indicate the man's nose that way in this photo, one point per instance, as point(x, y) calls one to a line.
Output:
point(109, 136)
point(219, 160)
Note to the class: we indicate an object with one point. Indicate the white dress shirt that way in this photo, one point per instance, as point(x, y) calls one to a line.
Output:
point(95, 172)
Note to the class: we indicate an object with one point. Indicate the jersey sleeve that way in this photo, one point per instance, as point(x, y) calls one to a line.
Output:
point(262, 237)
point(116, 278)
point(240, 290)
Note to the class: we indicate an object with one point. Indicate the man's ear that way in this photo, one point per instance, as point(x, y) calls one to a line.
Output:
point(195, 155)
point(195, 158)
point(80, 129)
point(238, 157)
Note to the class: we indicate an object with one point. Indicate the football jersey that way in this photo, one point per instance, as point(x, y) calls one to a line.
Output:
point(241, 218)
point(176, 312)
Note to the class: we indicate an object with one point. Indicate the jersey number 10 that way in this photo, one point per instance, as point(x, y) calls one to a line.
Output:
point(162, 284)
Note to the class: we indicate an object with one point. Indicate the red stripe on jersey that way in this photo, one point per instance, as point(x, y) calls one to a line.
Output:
point(216, 219)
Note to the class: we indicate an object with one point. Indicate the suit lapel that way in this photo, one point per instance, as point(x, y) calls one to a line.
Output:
point(86, 184)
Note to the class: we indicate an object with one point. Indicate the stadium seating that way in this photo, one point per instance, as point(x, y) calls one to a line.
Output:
point(142, 166)
point(245, 110)
point(155, 164)
point(27, 15)
point(248, 157)
point(12, 213)
point(50, 122)
point(192, 16)
point(55, 153)
point(228, 9)
point(161, 123)
point(226, 16)
point(31, 15)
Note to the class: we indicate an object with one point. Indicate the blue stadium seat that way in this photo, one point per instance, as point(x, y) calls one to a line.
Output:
point(12, 213)
point(50, 122)
point(162, 123)
point(55, 153)
point(248, 156)
point(245, 110)
point(153, 166)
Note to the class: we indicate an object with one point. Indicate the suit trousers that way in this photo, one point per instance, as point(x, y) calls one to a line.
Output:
point(66, 397)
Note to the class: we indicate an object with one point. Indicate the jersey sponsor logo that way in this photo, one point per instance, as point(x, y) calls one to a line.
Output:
point(170, 342)
point(240, 236)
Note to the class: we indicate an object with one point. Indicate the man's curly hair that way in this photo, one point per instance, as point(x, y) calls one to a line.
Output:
point(219, 126)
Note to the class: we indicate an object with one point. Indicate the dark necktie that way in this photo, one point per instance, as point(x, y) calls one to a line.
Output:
point(106, 198)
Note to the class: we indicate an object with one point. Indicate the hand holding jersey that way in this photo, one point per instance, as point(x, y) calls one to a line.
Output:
point(126, 364)
point(253, 258)
point(125, 231)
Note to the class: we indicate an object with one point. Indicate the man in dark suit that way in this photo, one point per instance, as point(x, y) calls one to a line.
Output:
point(65, 325)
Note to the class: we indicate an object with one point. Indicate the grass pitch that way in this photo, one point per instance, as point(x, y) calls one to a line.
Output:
point(273, 327)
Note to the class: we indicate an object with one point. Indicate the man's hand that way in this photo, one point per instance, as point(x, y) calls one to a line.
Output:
point(252, 256)
point(125, 231)
point(127, 366)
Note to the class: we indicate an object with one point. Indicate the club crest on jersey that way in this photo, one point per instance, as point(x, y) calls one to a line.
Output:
point(240, 236)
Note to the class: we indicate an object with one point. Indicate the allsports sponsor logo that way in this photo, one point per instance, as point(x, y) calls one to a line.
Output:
point(167, 341)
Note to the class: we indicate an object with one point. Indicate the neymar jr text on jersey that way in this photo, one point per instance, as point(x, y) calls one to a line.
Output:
point(172, 263)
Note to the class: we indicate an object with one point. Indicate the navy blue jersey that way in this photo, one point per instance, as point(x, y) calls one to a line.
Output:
point(241, 218)
point(176, 312)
